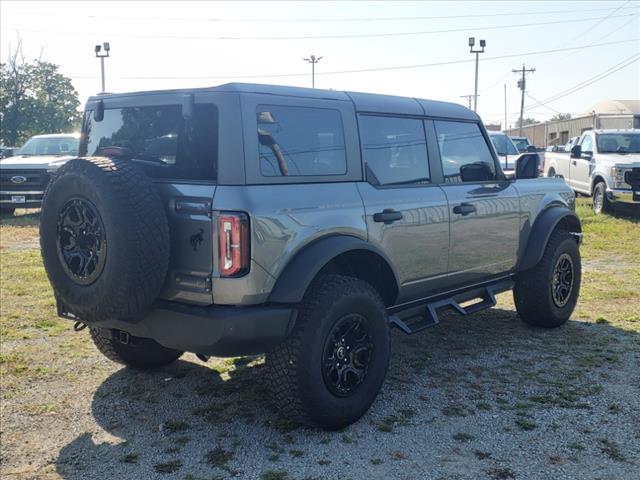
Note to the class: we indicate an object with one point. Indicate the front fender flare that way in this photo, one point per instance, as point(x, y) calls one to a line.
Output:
point(302, 269)
point(541, 231)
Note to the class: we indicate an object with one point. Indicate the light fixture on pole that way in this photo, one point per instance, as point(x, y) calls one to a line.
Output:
point(313, 60)
point(105, 47)
point(472, 42)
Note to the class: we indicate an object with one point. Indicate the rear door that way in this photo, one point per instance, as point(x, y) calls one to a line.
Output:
point(483, 207)
point(407, 215)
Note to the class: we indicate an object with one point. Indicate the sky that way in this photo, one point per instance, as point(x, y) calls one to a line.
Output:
point(161, 45)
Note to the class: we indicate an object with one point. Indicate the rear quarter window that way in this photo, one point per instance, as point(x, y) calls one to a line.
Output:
point(158, 139)
point(300, 141)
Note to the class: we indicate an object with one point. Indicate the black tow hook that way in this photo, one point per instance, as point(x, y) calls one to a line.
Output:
point(79, 326)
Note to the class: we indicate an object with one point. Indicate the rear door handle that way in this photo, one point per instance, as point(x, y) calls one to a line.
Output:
point(388, 215)
point(464, 209)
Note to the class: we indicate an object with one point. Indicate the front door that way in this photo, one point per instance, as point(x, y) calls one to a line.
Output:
point(407, 216)
point(483, 207)
point(580, 169)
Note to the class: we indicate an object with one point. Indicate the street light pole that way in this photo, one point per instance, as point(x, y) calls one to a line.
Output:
point(313, 60)
point(472, 42)
point(102, 56)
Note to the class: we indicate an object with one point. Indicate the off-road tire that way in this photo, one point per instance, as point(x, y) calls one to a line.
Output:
point(600, 202)
point(294, 373)
point(8, 211)
point(533, 294)
point(136, 235)
point(140, 353)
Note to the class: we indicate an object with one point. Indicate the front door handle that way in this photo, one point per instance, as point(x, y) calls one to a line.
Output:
point(388, 215)
point(464, 209)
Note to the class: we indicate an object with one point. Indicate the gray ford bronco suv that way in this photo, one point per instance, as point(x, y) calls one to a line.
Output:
point(304, 224)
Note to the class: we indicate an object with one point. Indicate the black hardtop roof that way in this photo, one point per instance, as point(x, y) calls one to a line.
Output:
point(364, 102)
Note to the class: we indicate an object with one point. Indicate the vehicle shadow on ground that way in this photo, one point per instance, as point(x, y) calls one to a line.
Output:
point(190, 421)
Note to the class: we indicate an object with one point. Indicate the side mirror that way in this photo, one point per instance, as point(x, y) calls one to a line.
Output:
point(532, 148)
point(528, 166)
point(576, 151)
point(98, 112)
point(476, 172)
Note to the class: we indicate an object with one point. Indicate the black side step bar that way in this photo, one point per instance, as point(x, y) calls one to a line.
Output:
point(486, 293)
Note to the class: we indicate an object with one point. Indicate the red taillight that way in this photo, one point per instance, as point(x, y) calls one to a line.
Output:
point(233, 244)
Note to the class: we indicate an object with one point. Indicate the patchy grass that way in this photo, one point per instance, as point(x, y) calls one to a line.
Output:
point(168, 467)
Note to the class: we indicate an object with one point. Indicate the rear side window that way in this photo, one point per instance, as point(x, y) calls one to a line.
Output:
point(300, 141)
point(394, 149)
point(158, 139)
point(464, 152)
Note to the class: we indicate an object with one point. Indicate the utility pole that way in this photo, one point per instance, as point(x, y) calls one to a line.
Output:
point(472, 42)
point(522, 85)
point(469, 98)
point(313, 60)
point(505, 108)
point(102, 56)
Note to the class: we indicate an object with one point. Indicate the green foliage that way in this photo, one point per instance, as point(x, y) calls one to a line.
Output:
point(35, 98)
point(560, 116)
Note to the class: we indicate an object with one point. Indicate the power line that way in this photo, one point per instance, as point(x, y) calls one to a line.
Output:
point(314, 20)
point(580, 35)
point(373, 69)
point(596, 78)
point(314, 37)
point(579, 86)
point(538, 102)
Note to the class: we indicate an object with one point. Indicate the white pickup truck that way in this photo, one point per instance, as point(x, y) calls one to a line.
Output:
point(604, 164)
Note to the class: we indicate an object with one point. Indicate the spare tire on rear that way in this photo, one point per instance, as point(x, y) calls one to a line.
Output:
point(104, 238)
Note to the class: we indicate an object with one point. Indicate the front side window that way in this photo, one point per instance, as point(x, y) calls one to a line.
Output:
point(504, 145)
point(464, 152)
point(587, 144)
point(158, 139)
point(300, 141)
point(394, 149)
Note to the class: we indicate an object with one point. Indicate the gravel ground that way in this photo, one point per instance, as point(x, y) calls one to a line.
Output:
point(481, 397)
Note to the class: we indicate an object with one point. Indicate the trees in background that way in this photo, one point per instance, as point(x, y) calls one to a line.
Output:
point(35, 98)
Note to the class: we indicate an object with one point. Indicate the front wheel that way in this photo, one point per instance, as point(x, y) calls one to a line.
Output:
point(546, 295)
point(600, 202)
point(331, 367)
point(8, 211)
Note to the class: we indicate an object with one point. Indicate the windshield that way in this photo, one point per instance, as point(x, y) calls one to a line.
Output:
point(618, 142)
point(50, 146)
point(504, 145)
point(521, 143)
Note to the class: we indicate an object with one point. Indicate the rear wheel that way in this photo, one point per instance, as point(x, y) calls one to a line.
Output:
point(546, 295)
point(135, 352)
point(600, 202)
point(330, 369)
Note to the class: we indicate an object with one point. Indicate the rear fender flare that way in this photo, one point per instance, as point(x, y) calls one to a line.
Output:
point(303, 268)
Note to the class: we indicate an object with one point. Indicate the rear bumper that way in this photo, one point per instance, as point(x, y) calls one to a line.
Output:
point(217, 330)
point(628, 197)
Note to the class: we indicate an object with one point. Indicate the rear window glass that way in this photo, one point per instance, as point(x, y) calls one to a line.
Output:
point(299, 141)
point(158, 139)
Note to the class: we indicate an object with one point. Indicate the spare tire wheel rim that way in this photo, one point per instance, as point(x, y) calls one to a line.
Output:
point(81, 241)
point(562, 282)
point(347, 355)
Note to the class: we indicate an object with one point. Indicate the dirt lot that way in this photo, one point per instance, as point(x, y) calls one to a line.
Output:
point(478, 397)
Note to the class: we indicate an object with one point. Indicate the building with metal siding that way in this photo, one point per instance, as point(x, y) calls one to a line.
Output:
point(619, 114)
